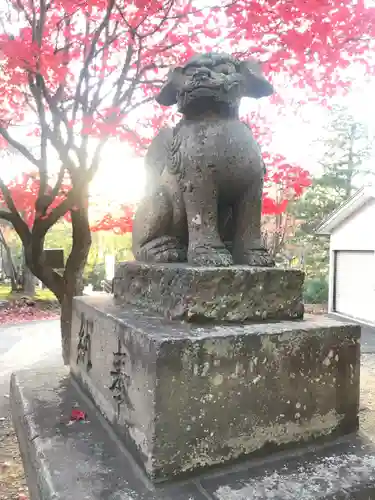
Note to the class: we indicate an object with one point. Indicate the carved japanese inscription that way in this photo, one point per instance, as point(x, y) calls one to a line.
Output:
point(120, 380)
point(84, 342)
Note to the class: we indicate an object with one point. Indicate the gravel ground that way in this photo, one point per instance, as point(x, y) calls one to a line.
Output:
point(316, 308)
point(12, 480)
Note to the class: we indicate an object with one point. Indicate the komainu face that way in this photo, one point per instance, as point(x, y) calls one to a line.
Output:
point(213, 80)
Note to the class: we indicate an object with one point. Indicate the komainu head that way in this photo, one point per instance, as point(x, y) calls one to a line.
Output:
point(213, 82)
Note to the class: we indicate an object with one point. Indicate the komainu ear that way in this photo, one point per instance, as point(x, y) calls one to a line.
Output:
point(256, 85)
point(168, 93)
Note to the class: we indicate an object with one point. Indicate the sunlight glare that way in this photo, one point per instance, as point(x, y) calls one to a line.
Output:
point(120, 178)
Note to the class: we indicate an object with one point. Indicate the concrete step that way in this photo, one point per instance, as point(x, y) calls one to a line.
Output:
point(86, 461)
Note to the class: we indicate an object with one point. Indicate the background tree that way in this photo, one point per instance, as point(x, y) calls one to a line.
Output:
point(76, 74)
point(24, 191)
point(284, 183)
point(7, 266)
point(346, 146)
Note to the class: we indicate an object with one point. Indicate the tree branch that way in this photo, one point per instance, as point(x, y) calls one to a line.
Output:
point(81, 245)
point(72, 199)
point(124, 71)
point(132, 107)
point(20, 147)
point(163, 20)
point(90, 55)
point(6, 215)
point(59, 181)
point(13, 215)
point(36, 263)
point(96, 99)
point(36, 90)
point(55, 136)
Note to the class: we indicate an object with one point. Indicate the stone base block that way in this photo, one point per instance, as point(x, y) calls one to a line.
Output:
point(184, 397)
point(236, 294)
point(85, 461)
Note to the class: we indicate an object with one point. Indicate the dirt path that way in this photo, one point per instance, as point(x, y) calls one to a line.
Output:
point(12, 481)
point(21, 346)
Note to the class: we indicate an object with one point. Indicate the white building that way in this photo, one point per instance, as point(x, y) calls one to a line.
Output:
point(352, 257)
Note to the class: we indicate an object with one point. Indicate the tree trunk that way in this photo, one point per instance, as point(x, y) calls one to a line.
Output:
point(8, 262)
point(73, 274)
point(73, 288)
point(28, 278)
point(70, 284)
point(28, 282)
point(67, 286)
point(13, 282)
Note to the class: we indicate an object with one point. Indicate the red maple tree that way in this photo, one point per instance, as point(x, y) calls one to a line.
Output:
point(24, 190)
point(74, 73)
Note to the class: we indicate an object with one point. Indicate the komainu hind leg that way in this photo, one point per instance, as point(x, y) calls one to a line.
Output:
point(154, 230)
point(248, 247)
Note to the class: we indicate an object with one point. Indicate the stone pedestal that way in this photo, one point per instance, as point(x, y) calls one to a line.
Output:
point(245, 378)
point(184, 397)
point(235, 294)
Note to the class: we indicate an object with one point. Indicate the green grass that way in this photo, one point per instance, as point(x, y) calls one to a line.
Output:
point(6, 293)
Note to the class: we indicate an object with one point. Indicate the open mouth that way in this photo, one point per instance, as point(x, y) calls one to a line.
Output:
point(202, 85)
point(210, 86)
point(205, 87)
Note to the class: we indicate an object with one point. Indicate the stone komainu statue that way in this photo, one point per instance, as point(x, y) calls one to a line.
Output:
point(205, 176)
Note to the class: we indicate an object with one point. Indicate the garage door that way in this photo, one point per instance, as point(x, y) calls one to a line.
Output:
point(355, 285)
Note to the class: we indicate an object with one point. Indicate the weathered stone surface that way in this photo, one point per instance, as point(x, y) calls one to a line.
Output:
point(84, 461)
point(236, 293)
point(79, 461)
point(185, 397)
point(345, 470)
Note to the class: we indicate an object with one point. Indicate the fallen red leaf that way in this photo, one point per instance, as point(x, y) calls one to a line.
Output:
point(78, 415)
point(14, 315)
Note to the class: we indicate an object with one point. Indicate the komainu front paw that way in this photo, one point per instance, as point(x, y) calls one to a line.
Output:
point(163, 250)
point(259, 258)
point(209, 256)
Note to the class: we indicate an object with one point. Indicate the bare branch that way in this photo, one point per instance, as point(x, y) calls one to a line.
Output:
point(96, 159)
point(36, 90)
point(132, 107)
point(20, 147)
point(13, 215)
point(163, 20)
point(59, 181)
point(54, 135)
point(6, 215)
point(124, 71)
point(22, 8)
point(8, 197)
point(90, 55)
point(96, 100)
point(72, 198)
point(60, 90)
